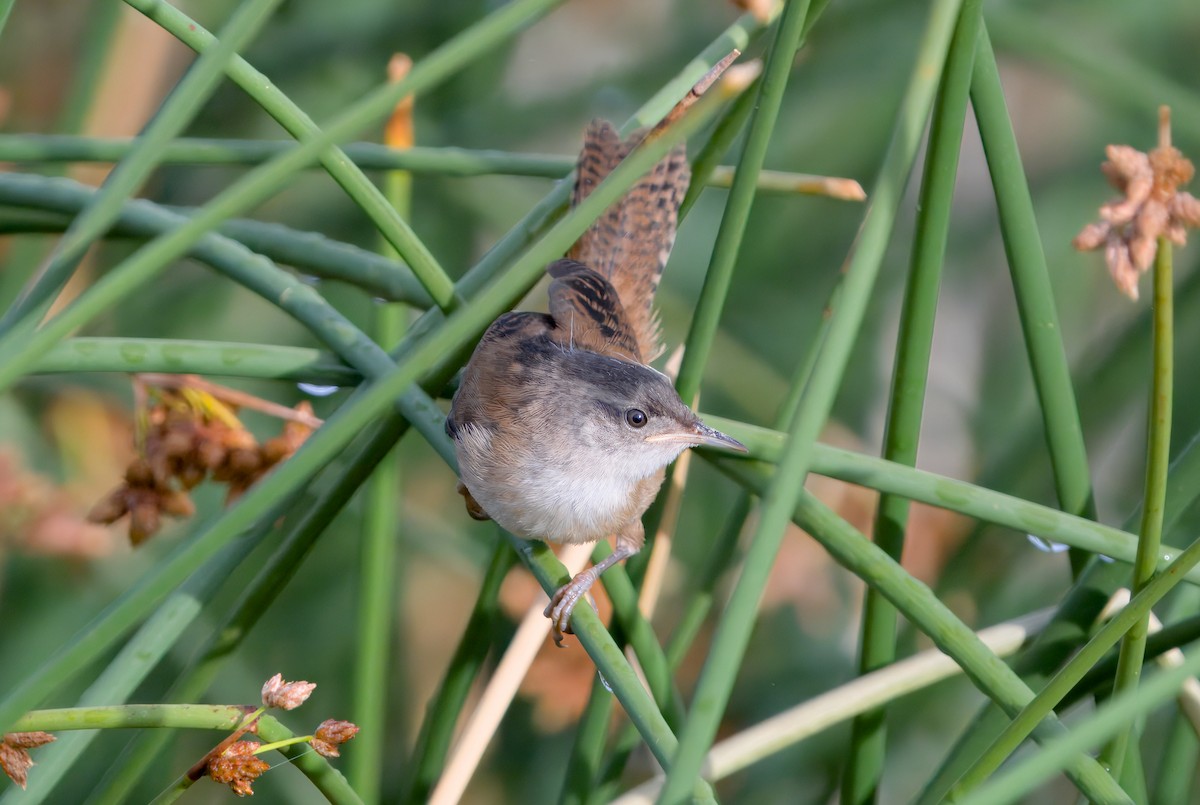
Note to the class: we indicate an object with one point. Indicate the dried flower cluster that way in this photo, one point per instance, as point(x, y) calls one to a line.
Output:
point(1151, 207)
point(14, 753)
point(238, 764)
point(286, 695)
point(238, 767)
point(189, 433)
point(331, 734)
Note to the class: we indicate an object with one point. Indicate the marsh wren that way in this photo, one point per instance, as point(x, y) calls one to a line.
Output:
point(562, 430)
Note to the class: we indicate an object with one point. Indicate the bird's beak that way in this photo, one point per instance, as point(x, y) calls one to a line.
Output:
point(700, 434)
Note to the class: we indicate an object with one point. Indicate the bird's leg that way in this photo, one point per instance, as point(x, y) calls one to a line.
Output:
point(562, 603)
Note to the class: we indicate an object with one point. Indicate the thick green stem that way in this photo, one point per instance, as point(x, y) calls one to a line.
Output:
point(210, 358)
point(378, 567)
point(309, 252)
point(733, 632)
point(864, 767)
point(134, 716)
point(128, 670)
point(741, 196)
point(610, 661)
point(446, 161)
point(1034, 293)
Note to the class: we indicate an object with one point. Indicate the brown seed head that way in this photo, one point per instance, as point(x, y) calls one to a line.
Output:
point(14, 753)
point(331, 734)
point(238, 767)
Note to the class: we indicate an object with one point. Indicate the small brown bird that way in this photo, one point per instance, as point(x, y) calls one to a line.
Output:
point(562, 431)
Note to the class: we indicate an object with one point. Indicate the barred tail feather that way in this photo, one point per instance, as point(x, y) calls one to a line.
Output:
point(629, 244)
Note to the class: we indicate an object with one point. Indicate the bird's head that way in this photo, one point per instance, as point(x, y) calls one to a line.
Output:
point(633, 414)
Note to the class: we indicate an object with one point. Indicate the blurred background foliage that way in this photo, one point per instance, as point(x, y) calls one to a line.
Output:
point(590, 59)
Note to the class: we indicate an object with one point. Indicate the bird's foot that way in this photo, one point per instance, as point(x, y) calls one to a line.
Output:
point(563, 602)
point(473, 508)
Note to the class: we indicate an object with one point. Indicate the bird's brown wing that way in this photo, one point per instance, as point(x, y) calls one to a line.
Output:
point(629, 244)
point(486, 391)
point(491, 391)
point(587, 312)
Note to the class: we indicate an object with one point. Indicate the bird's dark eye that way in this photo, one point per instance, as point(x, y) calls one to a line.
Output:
point(636, 417)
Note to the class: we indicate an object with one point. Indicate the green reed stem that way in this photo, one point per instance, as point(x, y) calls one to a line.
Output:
point(1034, 293)
point(182, 356)
point(454, 55)
point(16, 354)
point(734, 629)
point(865, 764)
point(310, 252)
point(587, 753)
point(101, 22)
point(720, 558)
point(1180, 751)
point(133, 716)
point(609, 659)
point(443, 161)
point(1100, 676)
point(636, 630)
point(946, 493)
point(1158, 453)
point(327, 780)
point(1109, 719)
point(378, 567)
point(324, 776)
point(174, 115)
point(726, 130)
point(377, 596)
point(922, 608)
point(719, 276)
point(1073, 623)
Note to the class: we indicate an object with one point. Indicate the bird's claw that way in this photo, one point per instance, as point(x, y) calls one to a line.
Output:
point(562, 604)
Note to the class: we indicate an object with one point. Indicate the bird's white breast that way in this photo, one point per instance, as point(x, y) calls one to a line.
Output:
point(556, 495)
